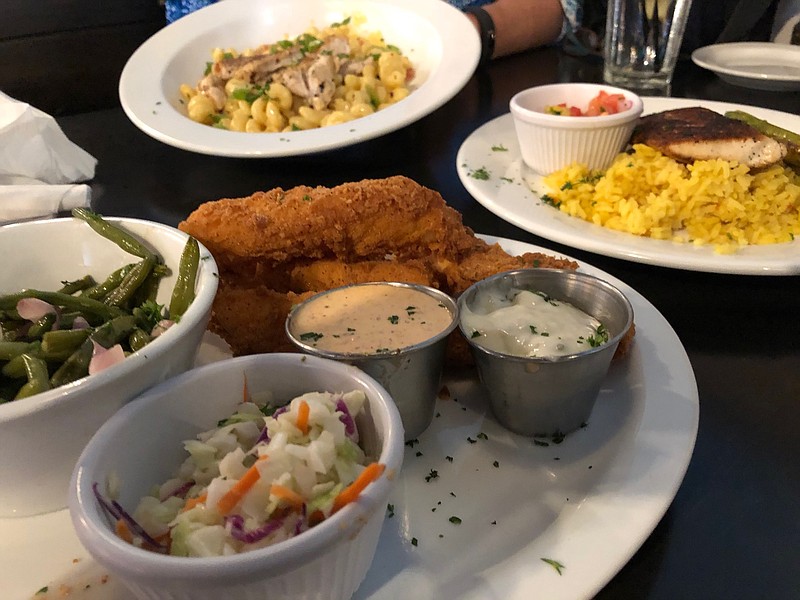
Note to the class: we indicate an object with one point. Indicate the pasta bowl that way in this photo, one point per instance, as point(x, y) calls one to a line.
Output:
point(438, 39)
point(42, 435)
point(142, 445)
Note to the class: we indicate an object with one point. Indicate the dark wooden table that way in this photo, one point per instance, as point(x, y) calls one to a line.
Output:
point(733, 530)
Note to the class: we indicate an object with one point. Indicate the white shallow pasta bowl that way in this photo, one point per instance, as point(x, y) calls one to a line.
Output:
point(43, 435)
point(142, 445)
point(438, 39)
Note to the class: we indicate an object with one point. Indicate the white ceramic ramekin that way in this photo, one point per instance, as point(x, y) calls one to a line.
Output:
point(551, 142)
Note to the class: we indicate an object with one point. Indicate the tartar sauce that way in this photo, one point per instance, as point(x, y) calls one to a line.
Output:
point(369, 319)
point(525, 323)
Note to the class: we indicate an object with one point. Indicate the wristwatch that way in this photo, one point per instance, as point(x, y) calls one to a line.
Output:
point(487, 32)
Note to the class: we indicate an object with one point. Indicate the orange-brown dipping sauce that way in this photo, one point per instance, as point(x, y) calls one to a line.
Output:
point(369, 319)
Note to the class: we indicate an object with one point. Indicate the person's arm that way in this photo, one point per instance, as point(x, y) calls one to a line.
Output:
point(523, 24)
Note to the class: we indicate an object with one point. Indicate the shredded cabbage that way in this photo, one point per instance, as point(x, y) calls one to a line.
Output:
point(255, 480)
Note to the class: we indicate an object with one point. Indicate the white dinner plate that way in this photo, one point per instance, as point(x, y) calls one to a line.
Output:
point(439, 40)
point(758, 65)
point(513, 192)
point(478, 510)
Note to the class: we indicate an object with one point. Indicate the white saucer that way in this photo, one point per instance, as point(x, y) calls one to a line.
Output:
point(758, 65)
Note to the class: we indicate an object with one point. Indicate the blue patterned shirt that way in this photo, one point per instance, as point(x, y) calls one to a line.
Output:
point(573, 11)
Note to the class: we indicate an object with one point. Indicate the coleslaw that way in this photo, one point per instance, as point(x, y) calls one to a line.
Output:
point(263, 475)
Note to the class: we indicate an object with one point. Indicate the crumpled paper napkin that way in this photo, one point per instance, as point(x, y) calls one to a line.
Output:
point(40, 168)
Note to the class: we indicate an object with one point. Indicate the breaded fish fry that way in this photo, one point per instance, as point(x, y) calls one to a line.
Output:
point(276, 248)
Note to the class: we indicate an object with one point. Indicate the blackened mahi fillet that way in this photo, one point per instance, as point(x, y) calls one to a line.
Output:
point(696, 133)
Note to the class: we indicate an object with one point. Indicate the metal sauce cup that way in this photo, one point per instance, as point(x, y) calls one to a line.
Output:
point(540, 396)
point(411, 374)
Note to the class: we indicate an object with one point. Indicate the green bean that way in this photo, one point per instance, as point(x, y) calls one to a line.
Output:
point(75, 367)
point(42, 326)
point(63, 342)
point(122, 238)
point(132, 281)
point(138, 339)
point(79, 303)
point(15, 368)
point(114, 331)
point(71, 287)
point(148, 291)
point(38, 377)
point(183, 292)
point(101, 290)
point(9, 350)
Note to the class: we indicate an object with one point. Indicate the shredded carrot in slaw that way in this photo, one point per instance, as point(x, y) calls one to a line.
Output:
point(353, 491)
point(232, 497)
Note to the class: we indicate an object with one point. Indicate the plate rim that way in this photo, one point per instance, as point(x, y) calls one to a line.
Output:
point(704, 57)
point(150, 110)
point(557, 227)
point(661, 350)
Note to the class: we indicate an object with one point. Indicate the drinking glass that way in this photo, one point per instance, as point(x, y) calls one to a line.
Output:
point(643, 39)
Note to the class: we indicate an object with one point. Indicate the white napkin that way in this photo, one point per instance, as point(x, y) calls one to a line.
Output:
point(39, 165)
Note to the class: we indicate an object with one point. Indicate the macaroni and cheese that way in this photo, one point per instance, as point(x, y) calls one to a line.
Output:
point(322, 77)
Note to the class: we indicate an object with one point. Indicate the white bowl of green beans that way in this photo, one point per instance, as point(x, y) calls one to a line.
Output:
point(142, 288)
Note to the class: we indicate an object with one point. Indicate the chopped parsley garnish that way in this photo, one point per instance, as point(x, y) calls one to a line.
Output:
point(42, 590)
point(312, 336)
point(250, 94)
point(434, 474)
point(599, 338)
point(550, 201)
point(344, 21)
point(533, 329)
point(389, 511)
point(455, 520)
point(481, 174)
point(306, 197)
point(472, 440)
point(555, 564)
point(394, 319)
point(483, 436)
point(499, 148)
point(448, 458)
point(373, 96)
point(496, 464)
point(414, 541)
point(567, 186)
point(476, 333)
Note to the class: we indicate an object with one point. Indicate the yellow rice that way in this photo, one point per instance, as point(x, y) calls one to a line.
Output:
point(715, 202)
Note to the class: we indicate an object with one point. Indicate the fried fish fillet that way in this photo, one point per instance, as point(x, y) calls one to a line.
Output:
point(274, 249)
point(696, 133)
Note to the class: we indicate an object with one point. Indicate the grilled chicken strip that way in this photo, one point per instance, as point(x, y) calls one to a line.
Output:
point(312, 79)
point(696, 133)
point(256, 68)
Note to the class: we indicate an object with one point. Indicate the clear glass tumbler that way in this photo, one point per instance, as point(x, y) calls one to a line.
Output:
point(643, 39)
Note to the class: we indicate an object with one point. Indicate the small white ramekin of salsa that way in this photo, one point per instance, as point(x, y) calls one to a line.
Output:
point(554, 131)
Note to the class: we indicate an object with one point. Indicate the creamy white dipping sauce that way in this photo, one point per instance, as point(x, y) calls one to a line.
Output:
point(524, 323)
point(370, 319)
